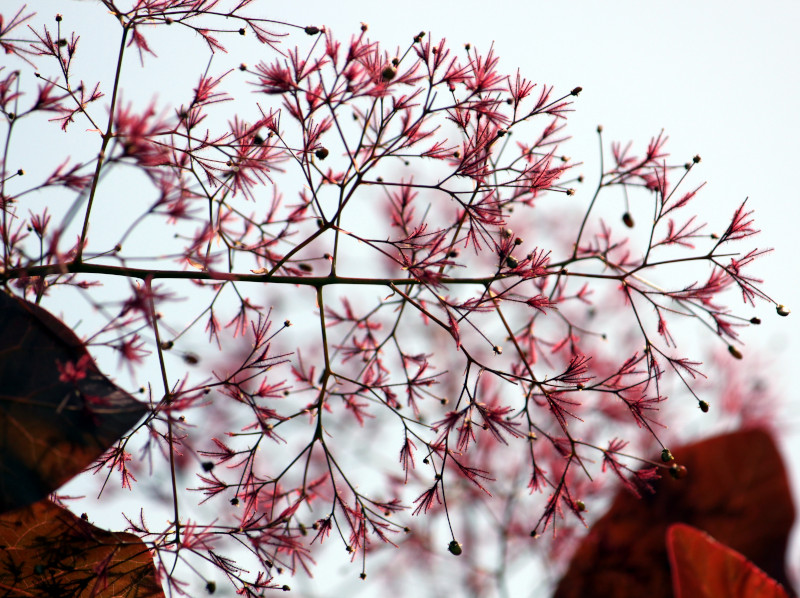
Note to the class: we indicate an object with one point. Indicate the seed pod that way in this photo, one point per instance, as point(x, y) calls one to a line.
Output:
point(388, 73)
point(628, 219)
point(678, 471)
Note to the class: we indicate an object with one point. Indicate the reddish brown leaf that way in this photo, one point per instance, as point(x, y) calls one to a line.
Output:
point(47, 551)
point(705, 568)
point(736, 489)
point(58, 413)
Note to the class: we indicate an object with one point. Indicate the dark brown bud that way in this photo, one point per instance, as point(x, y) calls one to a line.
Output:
point(734, 351)
point(388, 73)
point(311, 30)
point(678, 471)
point(628, 219)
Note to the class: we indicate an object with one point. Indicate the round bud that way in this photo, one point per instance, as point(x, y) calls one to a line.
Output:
point(666, 456)
point(734, 351)
point(208, 465)
point(454, 548)
point(388, 73)
point(211, 587)
point(696, 159)
point(498, 350)
point(576, 91)
point(321, 153)
point(703, 406)
point(755, 320)
point(311, 30)
point(242, 31)
point(511, 261)
point(628, 219)
point(782, 310)
point(678, 471)
point(579, 504)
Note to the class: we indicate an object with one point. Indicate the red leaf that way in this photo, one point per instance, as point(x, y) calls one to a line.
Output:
point(736, 489)
point(58, 413)
point(705, 568)
point(47, 551)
